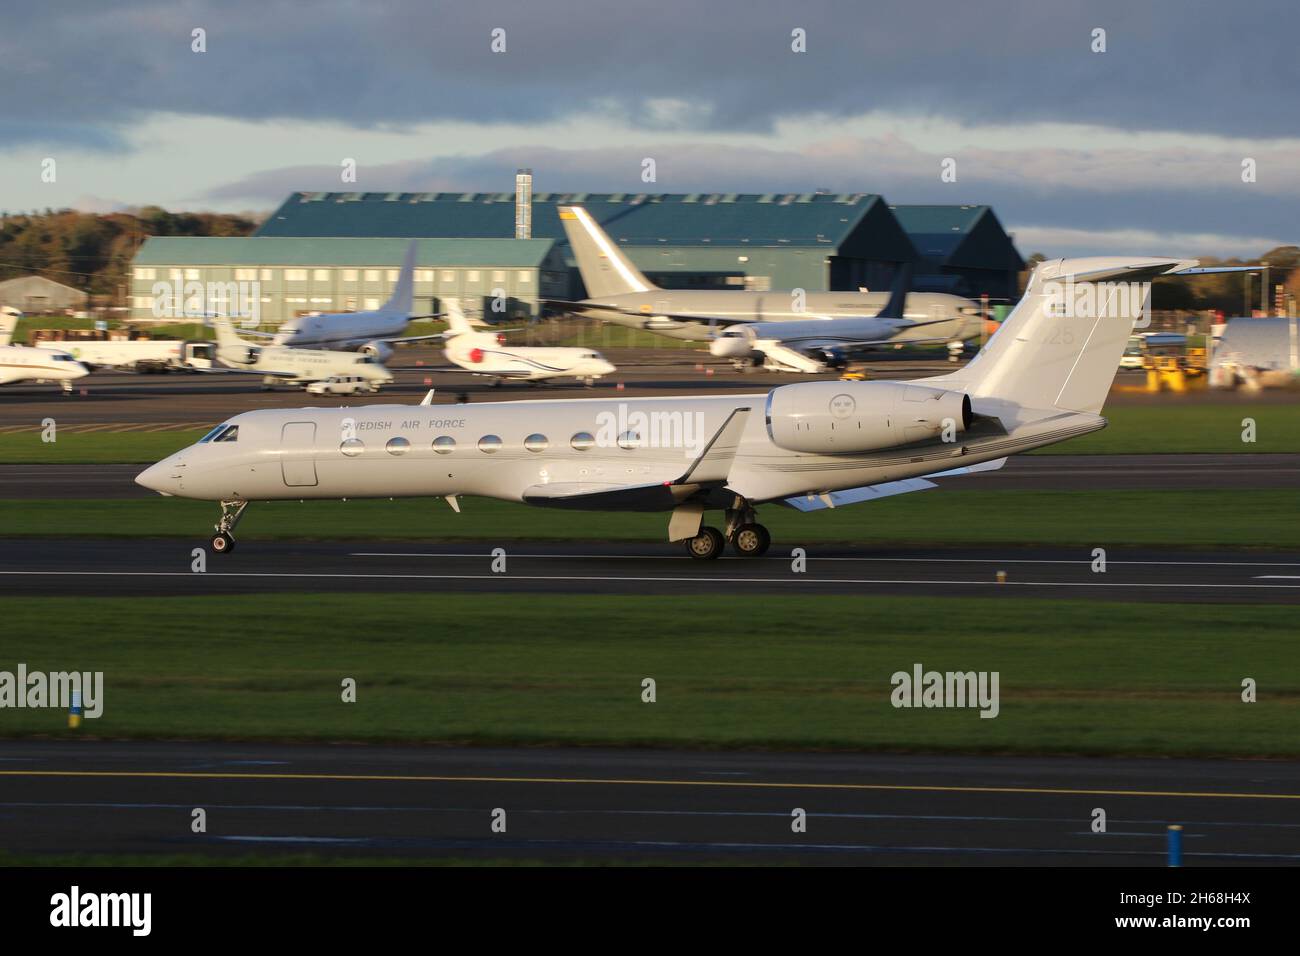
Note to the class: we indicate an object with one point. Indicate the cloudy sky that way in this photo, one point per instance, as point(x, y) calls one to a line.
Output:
point(1137, 149)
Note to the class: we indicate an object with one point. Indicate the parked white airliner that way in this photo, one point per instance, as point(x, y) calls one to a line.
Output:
point(1041, 379)
point(373, 333)
point(619, 292)
point(486, 353)
point(23, 363)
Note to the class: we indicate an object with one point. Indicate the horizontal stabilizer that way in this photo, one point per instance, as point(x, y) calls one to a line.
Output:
point(887, 489)
point(852, 496)
point(993, 465)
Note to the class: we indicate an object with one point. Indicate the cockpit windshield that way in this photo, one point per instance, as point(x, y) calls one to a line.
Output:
point(223, 432)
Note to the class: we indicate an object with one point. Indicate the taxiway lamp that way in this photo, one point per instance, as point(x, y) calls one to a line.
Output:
point(74, 712)
point(1002, 577)
point(1174, 839)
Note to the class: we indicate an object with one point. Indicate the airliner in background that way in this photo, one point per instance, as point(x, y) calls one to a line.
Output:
point(1041, 379)
point(374, 333)
point(618, 292)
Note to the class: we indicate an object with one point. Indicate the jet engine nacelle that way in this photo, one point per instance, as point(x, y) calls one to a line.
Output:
point(380, 350)
point(830, 418)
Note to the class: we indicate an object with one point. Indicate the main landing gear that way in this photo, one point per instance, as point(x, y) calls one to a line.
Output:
point(749, 538)
point(224, 541)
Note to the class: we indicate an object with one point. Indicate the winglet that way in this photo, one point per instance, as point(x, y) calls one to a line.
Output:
point(714, 463)
point(428, 399)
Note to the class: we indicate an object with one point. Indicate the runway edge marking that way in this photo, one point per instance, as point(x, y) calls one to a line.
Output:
point(618, 781)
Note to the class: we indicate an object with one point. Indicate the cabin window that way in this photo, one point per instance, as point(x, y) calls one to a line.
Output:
point(582, 441)
point(397, 446)
point(536, 442)
point(489, 444)
point(629, 440)
point(352, 447)
point(444, 444)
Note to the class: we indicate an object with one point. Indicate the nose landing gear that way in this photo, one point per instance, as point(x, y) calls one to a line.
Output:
point(223, 541)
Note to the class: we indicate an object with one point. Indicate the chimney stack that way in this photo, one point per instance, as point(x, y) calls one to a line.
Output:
point(523, 204)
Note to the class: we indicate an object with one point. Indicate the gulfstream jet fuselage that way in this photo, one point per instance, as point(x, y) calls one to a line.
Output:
point(1041, 379)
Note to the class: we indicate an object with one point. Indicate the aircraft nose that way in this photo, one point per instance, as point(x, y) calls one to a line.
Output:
point(162, 477)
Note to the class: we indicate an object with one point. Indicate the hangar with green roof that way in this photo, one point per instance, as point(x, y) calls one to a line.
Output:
point(346, 274)
point(338, 251)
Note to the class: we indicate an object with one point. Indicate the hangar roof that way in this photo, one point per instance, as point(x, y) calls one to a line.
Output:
point(327, 251)
point(959, 236)
point(644, 219)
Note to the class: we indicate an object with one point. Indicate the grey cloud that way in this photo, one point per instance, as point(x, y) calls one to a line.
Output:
point(1193, 65)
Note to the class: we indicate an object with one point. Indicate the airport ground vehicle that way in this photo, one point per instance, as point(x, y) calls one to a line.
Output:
point(342, 385)
point(133, 351)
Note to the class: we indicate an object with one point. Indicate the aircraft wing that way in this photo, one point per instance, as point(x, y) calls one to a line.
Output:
point(405, 339)
point(599, 496)
point(711, 466)
point(700, 317)
point(272, 373)
point(886, 489)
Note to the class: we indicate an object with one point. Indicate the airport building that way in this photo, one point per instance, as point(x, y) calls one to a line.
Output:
point(812, 241)
point(317, 249)
point(962, 250)
point(297, 275)
point(35, 294)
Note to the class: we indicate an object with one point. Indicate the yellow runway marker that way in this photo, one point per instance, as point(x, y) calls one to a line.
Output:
point(744, 784)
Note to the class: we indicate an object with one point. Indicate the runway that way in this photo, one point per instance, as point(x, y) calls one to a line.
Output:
point(1235, 472)
point(161, 567)
point(639, 805)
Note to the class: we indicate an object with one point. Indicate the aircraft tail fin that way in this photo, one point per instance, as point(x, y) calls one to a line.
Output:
point(897, 303)
point(8, 322)
point(605, 269)
point(1060, 347)
point(457, 323)
point(403, 297)
point(226, 334)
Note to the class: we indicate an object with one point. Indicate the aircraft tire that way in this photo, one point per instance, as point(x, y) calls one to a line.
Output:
point(707, 545)
point(223, 543)
point(751, 540)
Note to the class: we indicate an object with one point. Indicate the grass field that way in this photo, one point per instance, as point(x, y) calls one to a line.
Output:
point(949, 516)
point(779, 672)
point(1133, 429)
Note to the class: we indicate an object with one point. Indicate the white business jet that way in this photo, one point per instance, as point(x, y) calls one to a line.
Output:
point(23, 363)
point(1041, 379)
point(486, 353)
point(294, 366)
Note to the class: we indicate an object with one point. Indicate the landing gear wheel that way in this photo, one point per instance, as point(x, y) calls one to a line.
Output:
point(223, 543)
point(707, 545)
point(751, 541)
